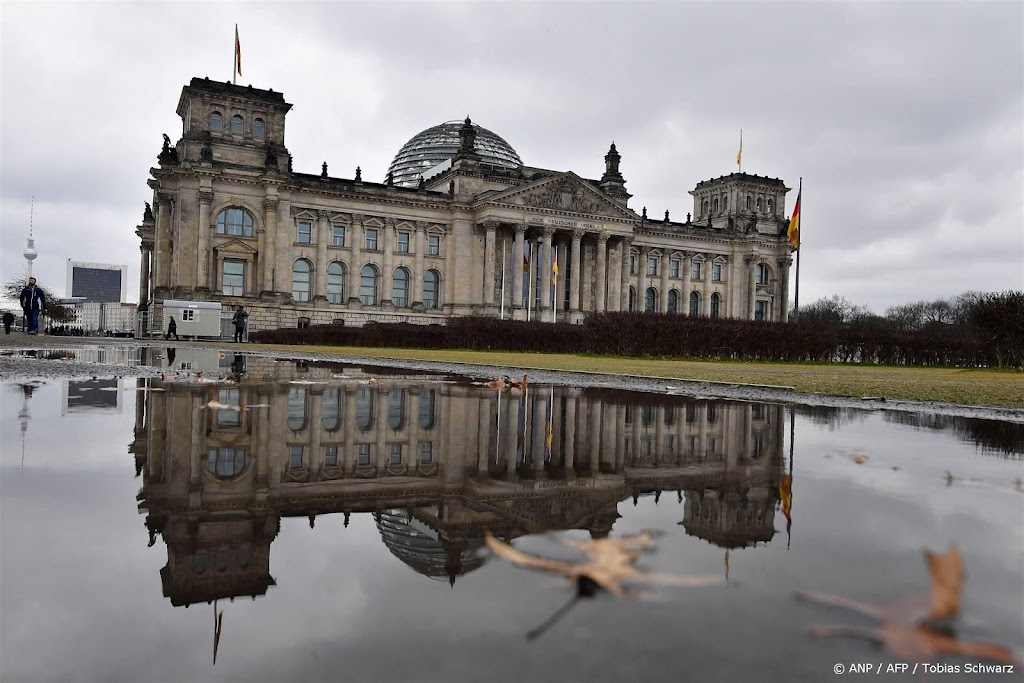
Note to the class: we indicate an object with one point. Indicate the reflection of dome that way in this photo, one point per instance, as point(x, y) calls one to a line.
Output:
point(729, 523)
point(440, 143)
point(421, 548)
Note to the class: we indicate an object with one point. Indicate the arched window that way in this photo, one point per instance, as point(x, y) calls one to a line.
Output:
point(758, 203)
point(704, 208)
point(216, 121)
point(650, 300)
point(297, 409)
point(400, 288)
point(694, 304)
point(673, 301)
point(368, 285)
point(428, 397)
point(396, 409)
point(336, 283)
point(750, 202)
point(365, 399)
point(431, 289)
point(259, 129)
point(302, 280)
point(716, 205)
point(725, 202)
point(762, 274)
point(716, 304)
point(632, 298)
point(225, 462)
point(770, 213)
point(332, 407)
point(237, 125)
point(234, 221)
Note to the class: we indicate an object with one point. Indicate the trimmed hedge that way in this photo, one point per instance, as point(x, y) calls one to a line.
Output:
point(664, 336)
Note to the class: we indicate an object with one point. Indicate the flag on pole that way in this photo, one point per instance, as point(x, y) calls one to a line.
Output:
point(739, 154)
point(526, 258)
point(554, 271)
point(238, 53)
point(794, 223)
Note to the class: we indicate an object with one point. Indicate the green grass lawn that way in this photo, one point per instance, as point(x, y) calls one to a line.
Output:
point(949, 385)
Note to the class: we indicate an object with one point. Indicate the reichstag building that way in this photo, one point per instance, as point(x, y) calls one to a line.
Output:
point(460, 226)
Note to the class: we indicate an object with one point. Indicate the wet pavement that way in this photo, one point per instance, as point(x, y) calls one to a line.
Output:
point(310, 520)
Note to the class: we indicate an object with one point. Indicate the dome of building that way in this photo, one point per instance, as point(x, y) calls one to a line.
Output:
point(422, 549)
point(441, 143)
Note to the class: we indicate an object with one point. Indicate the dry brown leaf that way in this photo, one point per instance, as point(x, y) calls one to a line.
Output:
point(907, 629)
point(859, 458)
point(611, 561)
point(947, 573)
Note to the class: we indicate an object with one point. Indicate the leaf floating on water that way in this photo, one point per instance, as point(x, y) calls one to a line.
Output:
point(859, 458)
point(908, 631)
point(610, 561)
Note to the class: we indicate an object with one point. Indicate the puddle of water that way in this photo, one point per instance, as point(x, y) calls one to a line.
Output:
point(352, 503)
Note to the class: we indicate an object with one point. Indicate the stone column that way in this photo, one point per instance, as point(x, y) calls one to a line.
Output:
point(203, 261)
point(144, 278)
point(269, 246)
point(784, 263)
point(752, 287)
point(517, 269)
point(316, 417)
point(570, 428)
point(612, 277)
point(574, 276)
point(641, 279)
point(417, 276)
point(357, 257)
point(162, 264)
point(413, 423)
point(705, 294)
point(624, 281)
point(602, 272)
point(323, 228)
point(687, 281)
point(387, 277)
point(351, 457)
point(490, 228)
point(544, 281)
point(663, 307)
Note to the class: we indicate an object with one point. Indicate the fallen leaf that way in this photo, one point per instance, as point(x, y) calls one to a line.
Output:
point(859, 458)
point(611, 561)
point(908, 627)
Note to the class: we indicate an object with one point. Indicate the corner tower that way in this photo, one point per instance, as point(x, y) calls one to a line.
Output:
point(741, 202)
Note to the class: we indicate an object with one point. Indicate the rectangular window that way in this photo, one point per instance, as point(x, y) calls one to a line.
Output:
point(691, 444)
point(632, 264)
point(363, 455)
point(331, 456)
point(695, 272)
point(188, 315)
point(228, 417)
point(674, 268)
point(305, 233)
point(761, 310)
point(396, 454)
point(295, 457)
point(233, 278)
point(712, 444)
point(625, 449)
point(371, 238)
point(670, 445)
point(652, 265)
point(338, 236)
point(757, 411)
point(645, 447)
point(426, 452)
point(403, 243)
point(716, 272)
point(433, 245)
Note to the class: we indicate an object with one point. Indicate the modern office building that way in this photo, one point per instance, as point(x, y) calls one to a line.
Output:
point(98, 283)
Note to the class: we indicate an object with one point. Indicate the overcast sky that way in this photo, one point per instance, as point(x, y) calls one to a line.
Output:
point(903, 118)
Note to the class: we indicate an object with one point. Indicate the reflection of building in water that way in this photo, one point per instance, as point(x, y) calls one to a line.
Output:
point(437, 463)
point(90, 396)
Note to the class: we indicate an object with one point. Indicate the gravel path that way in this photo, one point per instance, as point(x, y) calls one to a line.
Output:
point(17, 362)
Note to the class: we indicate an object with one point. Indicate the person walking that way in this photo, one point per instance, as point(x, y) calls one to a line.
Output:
point(33, 302)
point(239, 319)
point(172, 328)
point(8, 321)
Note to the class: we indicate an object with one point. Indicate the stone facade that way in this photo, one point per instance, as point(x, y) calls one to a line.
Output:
point(234, 223)
point(437, 463)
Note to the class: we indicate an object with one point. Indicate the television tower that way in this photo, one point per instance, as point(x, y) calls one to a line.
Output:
point(30, 252)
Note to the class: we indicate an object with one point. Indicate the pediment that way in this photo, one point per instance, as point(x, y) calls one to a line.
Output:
point(235, 246)
point(566, 192)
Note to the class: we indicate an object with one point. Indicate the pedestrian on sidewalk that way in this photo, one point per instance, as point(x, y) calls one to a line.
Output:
point(33, 302)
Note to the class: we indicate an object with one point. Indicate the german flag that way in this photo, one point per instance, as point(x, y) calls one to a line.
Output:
point(238, 53)
point(794, 224)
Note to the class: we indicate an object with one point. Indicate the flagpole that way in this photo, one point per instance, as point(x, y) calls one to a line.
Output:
point(497, 437)
point(234, 59)
point(554, 281)
point(504, 248)
point(799, 243)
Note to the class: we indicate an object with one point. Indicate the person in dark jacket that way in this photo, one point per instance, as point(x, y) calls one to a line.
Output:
point(33, 302)
point(8, 321)
point(239, 319)
point(172, 328)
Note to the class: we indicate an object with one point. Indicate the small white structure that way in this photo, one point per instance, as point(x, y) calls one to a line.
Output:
point(194, 318)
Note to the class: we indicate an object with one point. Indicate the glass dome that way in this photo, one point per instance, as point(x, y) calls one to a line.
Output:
point(422, 548)
point(441, 143)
